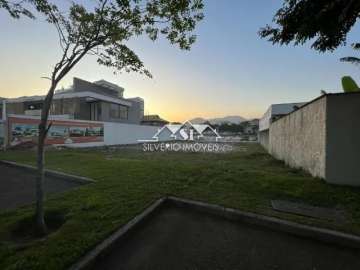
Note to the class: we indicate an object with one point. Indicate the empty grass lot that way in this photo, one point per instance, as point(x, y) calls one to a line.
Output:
point(128, 180)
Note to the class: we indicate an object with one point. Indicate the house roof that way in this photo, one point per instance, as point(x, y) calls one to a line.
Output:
point(285, 107)
point(110, 85)
point(61, 95)
point(99, 90)
point(320, 97)
point(277, 109)
point(153, 117)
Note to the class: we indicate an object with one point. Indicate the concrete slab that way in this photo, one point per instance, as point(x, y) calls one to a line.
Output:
point(182, 238)
point(308, 210)
point(17, 186)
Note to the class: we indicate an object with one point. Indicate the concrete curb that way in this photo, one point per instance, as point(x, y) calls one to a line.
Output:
point(65, 176)
point(324, 235)
point(101, 249)
point(276, 224)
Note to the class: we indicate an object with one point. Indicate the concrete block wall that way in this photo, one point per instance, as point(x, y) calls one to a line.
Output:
point(299, 138)
point(322, 137)
point(264, 138)
point(343, 139)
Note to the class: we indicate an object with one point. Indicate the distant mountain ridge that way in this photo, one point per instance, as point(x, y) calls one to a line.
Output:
point(234, 119)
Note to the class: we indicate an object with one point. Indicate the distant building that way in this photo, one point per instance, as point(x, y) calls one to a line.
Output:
point(251, 127)
point(96, 101)
point(153, 120)
point(274, 112)
point(254, 122)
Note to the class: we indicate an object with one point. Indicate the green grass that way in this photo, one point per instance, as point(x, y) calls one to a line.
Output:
point(129, 180)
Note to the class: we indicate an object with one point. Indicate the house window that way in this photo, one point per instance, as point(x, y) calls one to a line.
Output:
point(34, 106)
point(118, 111)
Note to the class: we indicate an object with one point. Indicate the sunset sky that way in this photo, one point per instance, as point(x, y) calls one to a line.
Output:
point(229, 71)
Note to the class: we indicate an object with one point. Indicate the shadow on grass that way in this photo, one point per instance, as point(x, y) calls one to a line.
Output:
point(25, 230)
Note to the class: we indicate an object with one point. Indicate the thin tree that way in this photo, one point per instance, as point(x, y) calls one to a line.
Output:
point(104, 31)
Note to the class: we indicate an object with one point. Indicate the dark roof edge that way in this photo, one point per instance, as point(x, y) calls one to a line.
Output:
point(316, 99)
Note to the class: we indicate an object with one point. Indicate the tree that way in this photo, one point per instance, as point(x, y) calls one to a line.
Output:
point(326, 21)
point(103, 31)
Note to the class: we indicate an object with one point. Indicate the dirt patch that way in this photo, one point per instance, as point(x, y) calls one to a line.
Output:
point(25, 230)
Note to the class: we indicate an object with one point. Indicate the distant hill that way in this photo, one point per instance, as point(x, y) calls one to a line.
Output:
point(198, 120)
point(227, 119)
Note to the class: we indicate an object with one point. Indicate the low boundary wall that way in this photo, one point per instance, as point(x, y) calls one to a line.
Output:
point(322, 137)
point(115, 133)
point(299, 138)
point(22, 129)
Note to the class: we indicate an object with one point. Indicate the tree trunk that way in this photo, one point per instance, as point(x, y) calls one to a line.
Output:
point(43, 129)
point(40, 217)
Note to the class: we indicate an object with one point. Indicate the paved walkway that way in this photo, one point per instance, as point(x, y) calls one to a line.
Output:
point(180, 239)
point(17, 186)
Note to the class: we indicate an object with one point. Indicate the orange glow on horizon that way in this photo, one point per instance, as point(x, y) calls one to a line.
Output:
point(171, 107)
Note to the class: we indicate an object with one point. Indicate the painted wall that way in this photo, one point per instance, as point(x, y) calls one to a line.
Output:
point(24, 129)
point(299, 138)
point(343, 139)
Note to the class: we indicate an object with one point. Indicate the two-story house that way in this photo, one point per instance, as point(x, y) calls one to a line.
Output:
point(95, 101)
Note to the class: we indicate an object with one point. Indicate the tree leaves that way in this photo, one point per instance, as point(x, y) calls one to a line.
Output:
point(352, 59)
point(105, 29)
point(326, 21)
point(16, 10)
point(120, 57)
point(349, 85)
point(26, 7)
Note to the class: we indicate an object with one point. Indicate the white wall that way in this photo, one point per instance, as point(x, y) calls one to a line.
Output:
point(114, 133)
point(118, 133)
point(264, 121)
